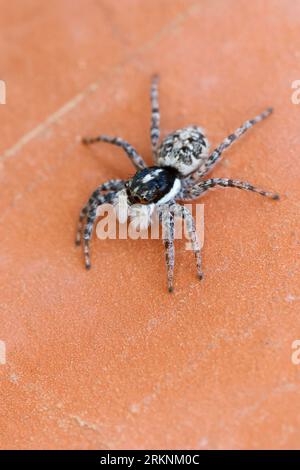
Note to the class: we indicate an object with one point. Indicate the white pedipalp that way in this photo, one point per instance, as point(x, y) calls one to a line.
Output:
point(121, 206)
point(139, 214)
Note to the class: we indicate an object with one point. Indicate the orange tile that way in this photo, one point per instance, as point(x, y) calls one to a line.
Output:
point(107, 358)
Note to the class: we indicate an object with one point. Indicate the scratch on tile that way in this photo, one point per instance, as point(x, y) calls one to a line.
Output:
point(85, 424)
point(14, 378)
point(291, 298)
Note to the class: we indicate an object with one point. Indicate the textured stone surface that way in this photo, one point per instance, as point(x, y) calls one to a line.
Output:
point(107, 358)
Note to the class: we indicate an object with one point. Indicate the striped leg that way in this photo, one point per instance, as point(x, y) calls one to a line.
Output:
point(216, 154)
point(200, 188)
point(135, 158)
point(111, 185)
point(190, 225)
point(82, 215)
point(167, 220)
point(90, 222)
point(155, 116)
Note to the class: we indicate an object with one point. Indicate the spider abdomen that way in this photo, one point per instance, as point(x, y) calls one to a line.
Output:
point(184, 150)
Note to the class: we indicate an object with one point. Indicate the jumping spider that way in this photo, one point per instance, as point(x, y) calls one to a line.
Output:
point(181, 161)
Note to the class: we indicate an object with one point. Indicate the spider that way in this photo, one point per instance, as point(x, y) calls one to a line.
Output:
point(181, 161)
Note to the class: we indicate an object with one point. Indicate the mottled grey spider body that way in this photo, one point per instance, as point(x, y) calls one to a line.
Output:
point(185, 149)
point(181, 161)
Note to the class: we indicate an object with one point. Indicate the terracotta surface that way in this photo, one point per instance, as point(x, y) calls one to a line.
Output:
point(107, 358)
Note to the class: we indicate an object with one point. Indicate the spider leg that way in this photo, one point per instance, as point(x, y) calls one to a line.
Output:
point(190, 225)
point(155, 115)
point(200, 188)
point(88, 230)
point(82, 215)
point(167, 220)
point(215, 156)
point(110, 185)
point(134, 157)
point(90, 222)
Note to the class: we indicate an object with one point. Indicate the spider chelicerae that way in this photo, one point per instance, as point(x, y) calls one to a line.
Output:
point(180, 163)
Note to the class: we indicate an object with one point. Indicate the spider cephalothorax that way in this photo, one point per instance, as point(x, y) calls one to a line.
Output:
point(181, 161)
point(153, 185)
